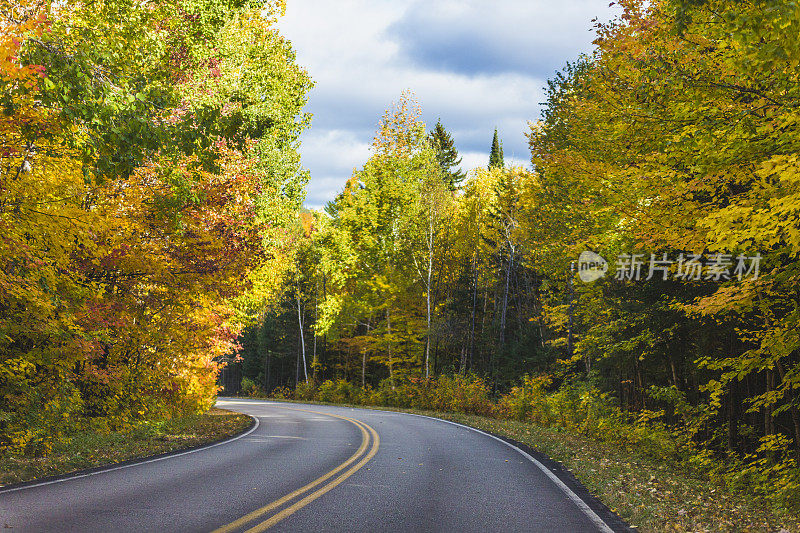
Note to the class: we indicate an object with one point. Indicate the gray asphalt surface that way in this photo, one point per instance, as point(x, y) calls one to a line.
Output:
point(426, 475)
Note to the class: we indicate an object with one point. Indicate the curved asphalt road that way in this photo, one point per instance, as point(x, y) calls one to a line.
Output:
point(316, 468)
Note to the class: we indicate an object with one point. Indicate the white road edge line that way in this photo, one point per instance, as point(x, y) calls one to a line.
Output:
point(594, 517)
point(131, 465)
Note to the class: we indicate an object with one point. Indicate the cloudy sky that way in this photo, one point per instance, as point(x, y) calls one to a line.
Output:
point(476, 64)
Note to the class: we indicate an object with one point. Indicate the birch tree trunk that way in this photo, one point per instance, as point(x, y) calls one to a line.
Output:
point(314, 361)
point(389, 345)
point(428, 294)
point(364, 358)
point(302, 337)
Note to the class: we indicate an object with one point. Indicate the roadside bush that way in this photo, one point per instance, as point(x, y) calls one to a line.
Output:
point(771, 471)
point(340, 391)
point(35, 417)
point(387, 395)
point(527, 402)
point(305, 391)
point(249, 387)
point(282, 393)
point(460, 394)
point(466, 394)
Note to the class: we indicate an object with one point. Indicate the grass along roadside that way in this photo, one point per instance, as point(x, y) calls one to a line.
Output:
point(92, 449)
point(649, 495)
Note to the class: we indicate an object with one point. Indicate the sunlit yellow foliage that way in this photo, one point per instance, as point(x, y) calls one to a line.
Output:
point(141, 216)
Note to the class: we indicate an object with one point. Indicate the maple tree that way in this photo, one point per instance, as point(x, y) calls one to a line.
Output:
point(149, 170)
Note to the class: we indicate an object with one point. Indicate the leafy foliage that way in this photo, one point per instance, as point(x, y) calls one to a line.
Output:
point(148, 164)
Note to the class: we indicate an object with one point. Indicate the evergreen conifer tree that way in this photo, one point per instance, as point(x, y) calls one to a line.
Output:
point(496, 155)
point(446, 155)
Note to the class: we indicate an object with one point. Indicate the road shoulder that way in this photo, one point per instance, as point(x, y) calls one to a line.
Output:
point(91, 453)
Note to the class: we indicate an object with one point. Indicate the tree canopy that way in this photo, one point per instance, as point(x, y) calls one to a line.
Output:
point(148, 163)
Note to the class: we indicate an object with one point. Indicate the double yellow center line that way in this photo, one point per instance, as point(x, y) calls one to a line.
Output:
point(368, 435)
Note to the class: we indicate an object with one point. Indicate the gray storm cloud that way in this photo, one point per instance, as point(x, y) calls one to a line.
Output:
point(475, 65)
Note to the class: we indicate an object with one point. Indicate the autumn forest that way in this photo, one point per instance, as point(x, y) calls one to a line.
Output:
point(155, 250)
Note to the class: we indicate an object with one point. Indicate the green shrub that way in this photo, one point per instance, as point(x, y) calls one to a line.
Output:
point(527, 402)
point(305, 391)
point(249, 387)
point(339, 391)
point(460, 394)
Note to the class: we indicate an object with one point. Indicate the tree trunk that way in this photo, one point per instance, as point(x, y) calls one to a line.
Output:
point(324, 337)
point(389, 346)
point(672, 368)
point(732, 422)
point(428, 335)
point(483, 323)
point(769, 427)
point(505, 301)
point(363, 368)
point(314, 361)
point(792, 411)
point(364, 359)
point(302, 337)
point(267, 361)
point(539, 313)
point(472, 318)
point(297, 367)
point(431, 243)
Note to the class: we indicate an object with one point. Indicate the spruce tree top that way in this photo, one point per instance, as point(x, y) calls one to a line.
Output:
point(446, 155)
point(496, 155)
